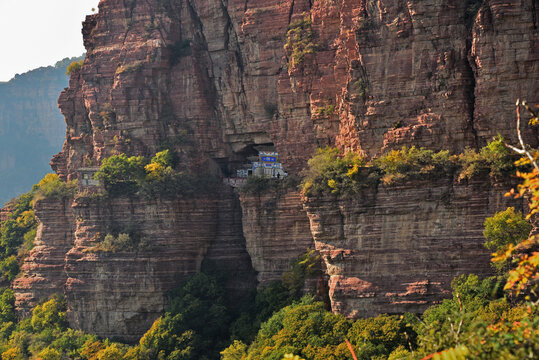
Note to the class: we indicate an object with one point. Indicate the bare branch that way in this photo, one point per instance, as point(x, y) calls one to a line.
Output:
point(523, 150)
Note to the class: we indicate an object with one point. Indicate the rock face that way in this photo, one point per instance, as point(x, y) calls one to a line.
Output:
point(44, 268)
point(396, 249)
point(213, 80)
point(276, 230)
point(120, 293)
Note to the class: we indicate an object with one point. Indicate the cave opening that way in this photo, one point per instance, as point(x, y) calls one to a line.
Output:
point(253, 159)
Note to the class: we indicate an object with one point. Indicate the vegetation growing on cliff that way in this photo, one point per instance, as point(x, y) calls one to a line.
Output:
point(495, 159)
point(122, 175)
point(299, 40)
point(413, 164)
point(43, 335)
point(480, 321)
point(51, 187)
point(74, 66)
point(17, 234)
point(18, 230)
point(331, 172)
point(121, 242)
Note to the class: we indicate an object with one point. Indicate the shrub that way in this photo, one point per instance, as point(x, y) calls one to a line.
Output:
point(107, 114)
point(504, 228)
point(194, 326)
point(13, 354)
point(274, 296)
point(305, 266)
point(329, 171)
point(299, 40)
point(494, 159)
point(304, 328)
point(50, 354)
point(448, 324)
point(359, 87)
point(74, 66)
point(326, 110)
point(51, 187)
point(472, 164)
point(498, 157)
point(9, 268)
point(162, 179)
point(113, 243)
point(7, 306)
point(50, 314)
point(236, 351)
point(414, 163)
point(129, 68)
point(383, 334)
point(120, 174)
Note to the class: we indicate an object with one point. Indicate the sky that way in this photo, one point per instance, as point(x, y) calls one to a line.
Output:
point(35, 33)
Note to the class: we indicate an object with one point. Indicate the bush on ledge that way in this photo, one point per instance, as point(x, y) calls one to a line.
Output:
point(51, 187)
point(122, 175)
point(331, 172)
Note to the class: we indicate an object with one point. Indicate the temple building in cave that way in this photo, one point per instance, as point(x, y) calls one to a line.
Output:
point(266, 164)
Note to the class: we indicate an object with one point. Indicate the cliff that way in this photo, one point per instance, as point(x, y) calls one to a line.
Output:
point(214, 80)
point(396, 249)
point(276, 231)
point(31, 127)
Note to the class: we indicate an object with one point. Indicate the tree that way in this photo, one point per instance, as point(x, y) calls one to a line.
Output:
point(505, 228)
point(524, 254)
point(120, 174)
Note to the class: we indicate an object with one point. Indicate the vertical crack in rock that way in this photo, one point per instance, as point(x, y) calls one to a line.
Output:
point(471, 67)
point(291, 12)
point(471, 92)
point(534, 15)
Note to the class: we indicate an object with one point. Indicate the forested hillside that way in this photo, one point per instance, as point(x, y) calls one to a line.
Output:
point(32, 128)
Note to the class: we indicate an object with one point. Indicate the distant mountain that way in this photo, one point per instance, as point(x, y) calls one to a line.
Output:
point(31, 126)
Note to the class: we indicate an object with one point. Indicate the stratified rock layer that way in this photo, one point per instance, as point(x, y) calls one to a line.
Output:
point(120, 293)
point(43, 269)
point(381, 74)
point(276, 230)
point(396, 249)
point(211, 80)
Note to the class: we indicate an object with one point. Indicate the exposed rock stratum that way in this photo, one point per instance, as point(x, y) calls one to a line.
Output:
point(214, 79)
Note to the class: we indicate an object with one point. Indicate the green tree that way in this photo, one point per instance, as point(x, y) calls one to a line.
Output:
point(194, 327)
point(236, 351)
point(120, 174)
point(74, 66)
point(450, 323)
point(50, 315)
point(504, 228)
point(304, 328)
point(52, 187)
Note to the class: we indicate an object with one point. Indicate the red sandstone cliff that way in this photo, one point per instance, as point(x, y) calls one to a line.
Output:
point(212, 79)
point(396, 249)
